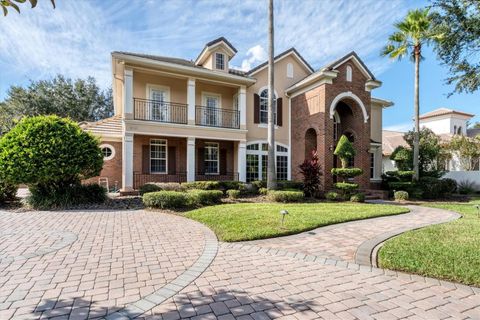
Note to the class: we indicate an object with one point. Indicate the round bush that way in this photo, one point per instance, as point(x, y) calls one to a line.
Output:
point(333, 196)
point(358, 197)
point(400, 195)
point(285, 196)
point(233, 194)
point(165, 199)
point(197, 198)
point(263, 191)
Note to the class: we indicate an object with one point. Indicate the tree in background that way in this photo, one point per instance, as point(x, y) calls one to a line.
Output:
point(429, 147)
point(411, 34)
point(467, 150)
point(5, 4)
point(80, 100)
point(459, 22)
point(402, 157)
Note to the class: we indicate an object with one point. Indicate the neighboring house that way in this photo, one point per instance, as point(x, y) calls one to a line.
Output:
point(181, 120)
point(444, 122)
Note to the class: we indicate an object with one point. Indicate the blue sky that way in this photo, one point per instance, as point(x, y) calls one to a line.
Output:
point(76, 40)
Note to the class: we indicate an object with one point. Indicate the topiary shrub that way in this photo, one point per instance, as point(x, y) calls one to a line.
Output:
point(333, 196)
point(285, 196)
point(197, 198)
point(8, 192)
point(263, 191)
point(400, 195)
point(358, 197)
point(346, 173)
point(43, 198)
point(161, 186)
point(346, 188)
point(344, 150)
point(233, 194)
point(49, 154)
point(165, 199)
point(202, 185)
point(310, 169)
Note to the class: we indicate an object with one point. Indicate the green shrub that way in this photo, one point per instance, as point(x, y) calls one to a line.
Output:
point(448, 186)
point(358, 197)
point(285, 196)
point(333, 196)
point(165, 199)
point(228, 185)
point(346, 187)
point(344, 150)
point(202, 185)
point(259, 184)
point(161, 186)
point(77, 194)
point(197, 198)
point(400, 195)
point(347, 173)
point(466, 187)
point(263, 191)
point(233, 194)
point(292, 185)
point(8, 191)
point(402, 186)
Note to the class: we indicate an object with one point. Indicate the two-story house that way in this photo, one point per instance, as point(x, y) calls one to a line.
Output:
point(180, 120)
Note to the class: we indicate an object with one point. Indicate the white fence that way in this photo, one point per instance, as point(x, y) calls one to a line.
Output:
point(473, 176)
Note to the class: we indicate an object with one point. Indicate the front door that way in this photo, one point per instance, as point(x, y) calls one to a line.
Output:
point(210, 115)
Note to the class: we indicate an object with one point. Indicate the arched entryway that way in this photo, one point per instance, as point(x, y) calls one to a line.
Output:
point(310, 142)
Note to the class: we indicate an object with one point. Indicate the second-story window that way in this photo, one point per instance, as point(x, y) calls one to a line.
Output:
point(219, 61)
point(264, 107)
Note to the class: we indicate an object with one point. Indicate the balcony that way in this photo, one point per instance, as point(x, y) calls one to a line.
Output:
point(217, 117)
point(159, 111)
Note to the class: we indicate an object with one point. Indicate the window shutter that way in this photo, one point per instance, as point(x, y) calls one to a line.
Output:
point(223, 161)
point(172, 154)
point(145, 159)
point(279, 112)
point(256, 108)
point(201, 160)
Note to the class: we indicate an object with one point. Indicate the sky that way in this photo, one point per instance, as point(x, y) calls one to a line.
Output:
point(77, 37)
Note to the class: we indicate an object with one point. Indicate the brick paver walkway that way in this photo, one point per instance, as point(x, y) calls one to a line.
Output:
point(121, 263)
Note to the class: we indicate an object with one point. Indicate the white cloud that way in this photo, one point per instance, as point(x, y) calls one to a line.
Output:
point(254, 55)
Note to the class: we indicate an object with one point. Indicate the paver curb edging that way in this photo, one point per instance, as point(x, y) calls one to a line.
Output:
point(152, 300)
point(366, 253)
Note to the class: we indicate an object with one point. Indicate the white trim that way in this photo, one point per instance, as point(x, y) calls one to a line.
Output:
point(106, 145)
point(209, 49)
point(350, 95)
point(289, 70)
point(242, 161)
point(215, 62)
point(206, 94)
point(266, 88)
point(191, 100)
point(127, 161)
point(190, 159)
point(150, 86)
point(382, 102)
point(289, 171)
point(356, 62)
point(323, 76)
point(158, 125)
point(280, 58)
point(348, 73)
point(166, 155)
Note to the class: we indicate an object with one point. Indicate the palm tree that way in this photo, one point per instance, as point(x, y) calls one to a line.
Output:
point(271, 172)
point(411, 33)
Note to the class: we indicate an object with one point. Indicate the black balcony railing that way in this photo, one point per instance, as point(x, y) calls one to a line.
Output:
point(140, 179)
point(228, 176)
point(152, 110)
point(217, 117)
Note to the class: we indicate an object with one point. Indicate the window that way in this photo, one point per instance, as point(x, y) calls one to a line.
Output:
point(257, 162)
point(349, 74)
point(282, 168)
point(335, 126)
point(264, 107)
point(158, 156)
point(281, 149)
point(219, 61)
point(211, 158)
point(289, 70)
point(264, 167)
point(252, 167)
point(252, 146)
point(108, 152)
point(372, 165)
point(159, 109)
point(209, 114)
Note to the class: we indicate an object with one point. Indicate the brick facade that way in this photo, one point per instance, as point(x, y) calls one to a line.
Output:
point(311, 109)
point(112, 169)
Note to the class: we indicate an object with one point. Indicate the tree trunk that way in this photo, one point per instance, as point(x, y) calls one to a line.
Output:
point(271, 172)
point(416, 102)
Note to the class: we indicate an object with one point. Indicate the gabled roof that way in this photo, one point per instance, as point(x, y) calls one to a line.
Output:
point(280, 56)
point(445, 111)
point(219, 41)
point(351, 56)
point(106, 127)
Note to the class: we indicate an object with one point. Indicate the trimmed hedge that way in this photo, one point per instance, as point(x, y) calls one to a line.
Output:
point(358, 197)
point(400, 195)
point(346, 173)
point(202, 185)
point(333, 196)
point(295, 185)
point(155, 186)
point(285, 196)
point(233, 194)
point(197, 198)
point(346, 187)
point(165, 199)
point(259, 184)
point(78, 194)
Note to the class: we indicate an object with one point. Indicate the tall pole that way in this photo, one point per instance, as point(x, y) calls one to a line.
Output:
point(416, 102)
point(271, 172)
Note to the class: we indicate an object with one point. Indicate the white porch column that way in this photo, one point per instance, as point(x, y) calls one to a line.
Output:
point(128, 93)
point(127, 163)
point(191, 101)
point(242, 106)
point(190, 159)
point(242, 161)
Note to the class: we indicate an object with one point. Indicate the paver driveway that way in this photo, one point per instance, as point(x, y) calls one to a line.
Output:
point(153, 265)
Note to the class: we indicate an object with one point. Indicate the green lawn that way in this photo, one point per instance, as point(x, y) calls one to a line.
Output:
point(250, 221)
point(449, 251)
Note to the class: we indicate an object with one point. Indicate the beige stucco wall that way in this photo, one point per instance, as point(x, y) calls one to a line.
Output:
point(281, 82)
point(178, 87)
point(210, 62)
point(227, 93)
point(376, 122)
point(117, 86)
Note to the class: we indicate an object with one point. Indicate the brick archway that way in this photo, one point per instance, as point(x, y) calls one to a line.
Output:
point(352, 96)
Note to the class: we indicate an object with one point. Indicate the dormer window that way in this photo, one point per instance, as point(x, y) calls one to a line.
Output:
point(219, 61)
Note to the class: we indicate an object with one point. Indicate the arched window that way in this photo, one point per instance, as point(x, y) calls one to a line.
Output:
point(264, 107)
point(310, 142)
point(289, 70)
point(349, 74)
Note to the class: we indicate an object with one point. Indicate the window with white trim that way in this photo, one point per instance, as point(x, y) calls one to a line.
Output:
point(212, 158)
point(158, 156)
point(210, 114)
point(349, 73)
point(108, 151)
point(257, 161)
point(219, 61)
point(282, 168)
point(159, 108)
point(264, 107)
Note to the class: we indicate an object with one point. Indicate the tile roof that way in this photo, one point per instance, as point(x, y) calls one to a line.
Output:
point(109, 126)
point(444, 111)
point(391, 140)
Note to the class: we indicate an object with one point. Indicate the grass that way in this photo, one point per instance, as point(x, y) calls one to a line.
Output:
point(449, 251)
point(250, 221)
